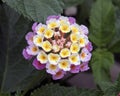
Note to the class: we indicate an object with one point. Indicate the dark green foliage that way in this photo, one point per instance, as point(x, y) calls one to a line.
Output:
point(35, 78)
point(102, 20)
point(115, 42)
point(37, 10)
point(101, 63)
point(56, 90)
point(110, 89)
point(13, 66)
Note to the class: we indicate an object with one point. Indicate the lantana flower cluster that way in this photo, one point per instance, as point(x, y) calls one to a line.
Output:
point(59, 46)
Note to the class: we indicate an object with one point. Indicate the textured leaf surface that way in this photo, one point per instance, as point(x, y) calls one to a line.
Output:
point(56, 90)
point(37, 10)
point(102, 21)
point(35, 78)
point(101, 63)
point(118, 85)
point(110, 89)
point(13, 68)
point(115, 43)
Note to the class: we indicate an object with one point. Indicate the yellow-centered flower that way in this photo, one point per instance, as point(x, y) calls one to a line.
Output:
point(52, 25)
point(83, 40)
point(46, 45)
point(64, 65)
point(41, 29)
point(53, 58)
point(74, 59)
point(65, 28)
point(51, 68)
point(48, 33)
point(75, 28)
point(65, 53)
point(63, 20)
point(38, 39)
point(75, 48)
point(74, 37)
point(42, 57)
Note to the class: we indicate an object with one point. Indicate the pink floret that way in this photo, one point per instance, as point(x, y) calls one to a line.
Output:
point(26, 55)
point(38, 65)
point(84, 67)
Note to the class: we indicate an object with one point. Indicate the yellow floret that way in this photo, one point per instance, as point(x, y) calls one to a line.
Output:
point(75, 29)
point(65, 28)
point(63, 22)
point(64, 65)
point(42, 57)
point(53, 58)
point(38, 40)
point(81, 42)
point(74, 38)
point(46, 45)
point(65, 53)
point(52, 25)
point(41, 30)
point(48, 33)
point(75, 48)
point(74, 59)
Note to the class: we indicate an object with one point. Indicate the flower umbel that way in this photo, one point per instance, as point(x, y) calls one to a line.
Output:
point(59, 46)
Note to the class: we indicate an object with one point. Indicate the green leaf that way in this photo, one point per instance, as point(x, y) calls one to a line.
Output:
point(35, 78)
point(69, 3)
point(37, 10)
point(105, 85)
point(13, 67)
point(115, 43)
point(118, 85)
point(116, 47)
point(110, 89)
point(4, 94)
point(101, 63)
point(56, 90)
point(102, 20)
